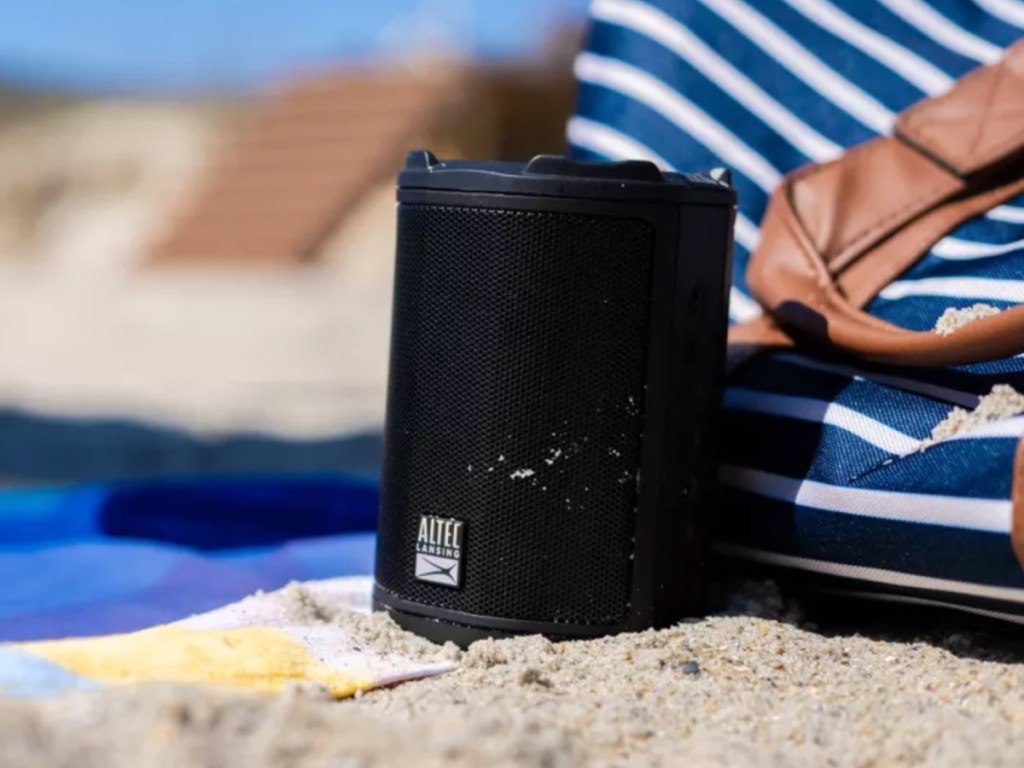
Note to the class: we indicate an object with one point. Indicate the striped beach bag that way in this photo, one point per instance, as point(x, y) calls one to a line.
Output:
point(873, 422)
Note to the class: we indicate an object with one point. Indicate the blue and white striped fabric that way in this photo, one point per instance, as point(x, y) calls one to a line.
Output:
point(822, 478)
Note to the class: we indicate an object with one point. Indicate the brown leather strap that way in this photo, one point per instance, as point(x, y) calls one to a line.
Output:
point(836, 233)
point(761, 332)
point(978, 123)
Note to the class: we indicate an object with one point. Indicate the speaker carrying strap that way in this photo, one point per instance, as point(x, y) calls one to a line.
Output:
point(836, 233)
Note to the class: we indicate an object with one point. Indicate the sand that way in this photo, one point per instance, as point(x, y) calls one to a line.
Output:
point(1003, 402)
point(955, 318)
point(757, 684)
point(211, 353)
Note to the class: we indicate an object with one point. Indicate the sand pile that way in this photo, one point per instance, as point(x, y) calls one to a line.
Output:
point(1003, 402)
point(763, 688)
point(955, 318)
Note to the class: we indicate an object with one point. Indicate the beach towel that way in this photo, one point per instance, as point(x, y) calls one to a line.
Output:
point(146, 581)
point(263, 643)
point(112, 557)
point(842, 474)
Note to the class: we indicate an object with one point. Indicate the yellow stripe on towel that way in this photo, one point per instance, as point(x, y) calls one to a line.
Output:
point(252, 658)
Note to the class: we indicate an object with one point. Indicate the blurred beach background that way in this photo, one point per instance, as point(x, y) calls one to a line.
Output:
point(197, 216)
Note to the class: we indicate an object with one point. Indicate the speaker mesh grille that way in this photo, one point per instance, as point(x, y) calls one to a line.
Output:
point(517, 382)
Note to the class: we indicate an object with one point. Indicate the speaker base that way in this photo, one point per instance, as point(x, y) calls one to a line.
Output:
point(437, 630)
point(440, 626)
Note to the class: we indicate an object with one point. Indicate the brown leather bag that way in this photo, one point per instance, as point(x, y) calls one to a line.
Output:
point(836, 233)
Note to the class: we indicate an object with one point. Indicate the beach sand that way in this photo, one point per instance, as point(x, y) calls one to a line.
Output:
point(757, 684)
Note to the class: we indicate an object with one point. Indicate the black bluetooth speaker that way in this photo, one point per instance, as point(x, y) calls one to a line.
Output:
point(557, 351)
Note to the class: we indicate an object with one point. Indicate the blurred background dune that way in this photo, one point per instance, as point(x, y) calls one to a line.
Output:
point(197, 215)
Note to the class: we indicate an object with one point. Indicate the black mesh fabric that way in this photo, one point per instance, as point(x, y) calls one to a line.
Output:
point(517, 382)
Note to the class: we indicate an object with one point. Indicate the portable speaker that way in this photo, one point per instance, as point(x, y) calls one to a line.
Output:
point(557, 351)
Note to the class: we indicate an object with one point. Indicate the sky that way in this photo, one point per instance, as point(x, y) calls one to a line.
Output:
point(217, 45)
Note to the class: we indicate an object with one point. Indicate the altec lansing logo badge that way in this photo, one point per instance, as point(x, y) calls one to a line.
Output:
point(439, 550)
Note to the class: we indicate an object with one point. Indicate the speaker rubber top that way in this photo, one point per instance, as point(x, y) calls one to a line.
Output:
point(556, 176)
